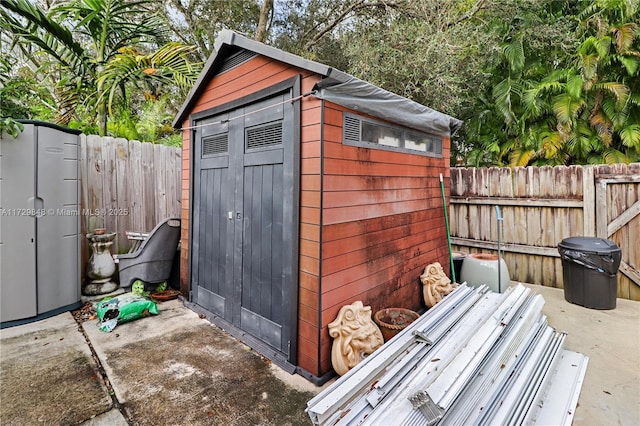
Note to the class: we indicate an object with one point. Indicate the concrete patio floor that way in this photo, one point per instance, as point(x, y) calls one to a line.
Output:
point(171, 369)
point(176, 368)
point(610, 393)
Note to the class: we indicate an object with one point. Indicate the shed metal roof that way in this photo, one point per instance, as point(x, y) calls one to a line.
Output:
point(337, 86)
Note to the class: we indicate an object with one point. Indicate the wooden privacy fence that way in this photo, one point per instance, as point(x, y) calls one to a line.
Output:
point(543, 205)
point(127, 186)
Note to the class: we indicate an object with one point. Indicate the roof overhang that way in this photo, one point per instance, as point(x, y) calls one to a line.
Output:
point(353, 93)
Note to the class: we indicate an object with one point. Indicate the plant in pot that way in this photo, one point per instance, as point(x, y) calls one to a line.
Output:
point(392, 320)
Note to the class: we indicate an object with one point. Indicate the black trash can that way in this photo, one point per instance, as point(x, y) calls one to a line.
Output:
point(590, 271)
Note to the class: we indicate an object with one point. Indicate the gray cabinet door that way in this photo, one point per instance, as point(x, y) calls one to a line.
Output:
point(244, 227)
point(18, 226)
point(58, 231)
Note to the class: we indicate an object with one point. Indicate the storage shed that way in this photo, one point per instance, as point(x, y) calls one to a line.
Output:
point(39, 223)
point(304, 189)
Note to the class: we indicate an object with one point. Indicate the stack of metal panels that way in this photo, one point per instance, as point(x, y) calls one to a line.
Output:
point(477, 357)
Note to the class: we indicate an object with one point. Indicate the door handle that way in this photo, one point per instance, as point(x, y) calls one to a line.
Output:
point(238, 215)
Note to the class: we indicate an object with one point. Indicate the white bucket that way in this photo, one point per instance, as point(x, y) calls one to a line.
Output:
point(482, 268)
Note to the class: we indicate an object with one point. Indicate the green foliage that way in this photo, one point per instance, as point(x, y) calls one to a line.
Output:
point(146, 73)
point(577, 110)
point(430, 51)
point(11, 127)
point(514, 54)
point(474, 60)
point(81, 49)
point(19, 97)
point(544, 82)
point(12, 93)
point(630, 136)
point(150, 123)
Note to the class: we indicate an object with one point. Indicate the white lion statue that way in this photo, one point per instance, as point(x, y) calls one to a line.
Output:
point(355, 336)
point(435, 284)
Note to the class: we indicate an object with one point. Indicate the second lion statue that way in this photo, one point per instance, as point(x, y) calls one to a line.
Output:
point(435, 284)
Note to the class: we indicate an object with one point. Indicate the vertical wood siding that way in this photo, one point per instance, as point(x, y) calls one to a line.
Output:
point(184, 237)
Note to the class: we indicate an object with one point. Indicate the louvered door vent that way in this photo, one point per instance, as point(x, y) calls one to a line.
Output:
point(237, 59)
point(351, 129)
point(264, 136)
point(218, 144)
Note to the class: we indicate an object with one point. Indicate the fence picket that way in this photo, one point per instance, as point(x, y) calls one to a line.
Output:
point(94, 183)
point(123, 214)
point(135, 187)
point(160, 175)
point(109, 183)
point(148, 187)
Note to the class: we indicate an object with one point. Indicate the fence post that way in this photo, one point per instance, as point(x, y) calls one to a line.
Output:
point(589, 201)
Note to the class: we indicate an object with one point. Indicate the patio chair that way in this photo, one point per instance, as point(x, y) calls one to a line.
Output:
point(152, 260)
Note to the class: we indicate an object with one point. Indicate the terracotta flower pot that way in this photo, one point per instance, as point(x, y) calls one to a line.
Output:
point(165, 295)
point(392, 320)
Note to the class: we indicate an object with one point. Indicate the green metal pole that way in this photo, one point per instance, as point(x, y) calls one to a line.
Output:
point(446, 221)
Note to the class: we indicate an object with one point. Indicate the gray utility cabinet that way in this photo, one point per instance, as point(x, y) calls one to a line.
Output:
point(39, 223)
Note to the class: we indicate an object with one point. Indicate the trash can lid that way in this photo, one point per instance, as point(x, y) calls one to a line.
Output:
point(589, 245)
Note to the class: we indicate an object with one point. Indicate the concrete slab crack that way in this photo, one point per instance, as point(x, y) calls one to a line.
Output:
point(103, 374)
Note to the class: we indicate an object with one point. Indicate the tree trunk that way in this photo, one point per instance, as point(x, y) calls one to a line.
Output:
point(265, 14)
point(102, 120)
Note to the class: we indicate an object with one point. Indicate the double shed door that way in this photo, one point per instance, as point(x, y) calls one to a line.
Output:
point(244, 239)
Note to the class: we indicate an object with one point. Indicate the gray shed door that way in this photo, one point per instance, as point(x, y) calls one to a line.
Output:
point(243, 221)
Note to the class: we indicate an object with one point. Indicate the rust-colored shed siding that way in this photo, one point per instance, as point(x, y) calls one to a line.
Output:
point(309, 260)
point(252, 76)
point(382, 223)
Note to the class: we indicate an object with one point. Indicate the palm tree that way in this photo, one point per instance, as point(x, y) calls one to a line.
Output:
point(583, 110)
point(84, 42)
point(148, 73)
point(588, 112)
